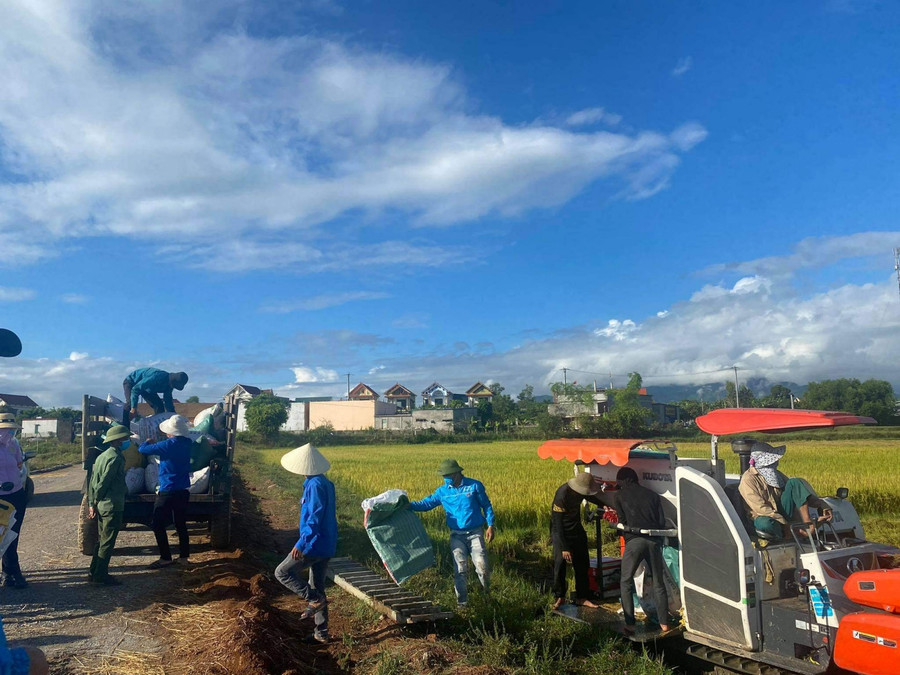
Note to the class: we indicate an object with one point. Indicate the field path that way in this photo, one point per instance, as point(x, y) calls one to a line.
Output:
point(72, 621)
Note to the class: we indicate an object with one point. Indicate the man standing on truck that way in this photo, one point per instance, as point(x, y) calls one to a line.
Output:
point(639, 508)
point(318, 536)
point(106, 500)
point(150, 383)
point(174, 484)
point(570, 542)
point(468, 510)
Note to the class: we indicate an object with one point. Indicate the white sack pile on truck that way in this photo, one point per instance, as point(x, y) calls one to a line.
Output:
point(207, 434)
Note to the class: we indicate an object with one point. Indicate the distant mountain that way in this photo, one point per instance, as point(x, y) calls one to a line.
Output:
point(713, 391)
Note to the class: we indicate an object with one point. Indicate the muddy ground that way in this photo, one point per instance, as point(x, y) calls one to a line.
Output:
point(221, 614)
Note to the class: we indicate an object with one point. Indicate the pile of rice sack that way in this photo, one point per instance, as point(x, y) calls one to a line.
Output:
point(142, 471)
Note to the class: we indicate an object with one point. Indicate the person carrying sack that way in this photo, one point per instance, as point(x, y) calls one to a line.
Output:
point(468, 510)
point(174, 484)
point(106, 498)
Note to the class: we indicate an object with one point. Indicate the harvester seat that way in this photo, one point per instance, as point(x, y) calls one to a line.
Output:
point(734, 496)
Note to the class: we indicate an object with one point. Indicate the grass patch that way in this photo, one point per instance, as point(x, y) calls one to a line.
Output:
point(51, 452)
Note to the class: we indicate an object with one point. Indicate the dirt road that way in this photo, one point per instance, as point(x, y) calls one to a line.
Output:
point(75, 623)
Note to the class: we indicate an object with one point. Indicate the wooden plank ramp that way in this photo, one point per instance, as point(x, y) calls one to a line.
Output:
point(382, 594)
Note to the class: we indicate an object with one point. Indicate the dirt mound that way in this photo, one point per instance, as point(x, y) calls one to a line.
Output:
point(238, 629)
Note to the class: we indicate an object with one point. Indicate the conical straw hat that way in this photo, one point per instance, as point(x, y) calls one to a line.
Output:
point(306, 461)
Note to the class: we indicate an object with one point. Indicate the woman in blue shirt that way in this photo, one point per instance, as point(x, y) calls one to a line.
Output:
point(174, 483)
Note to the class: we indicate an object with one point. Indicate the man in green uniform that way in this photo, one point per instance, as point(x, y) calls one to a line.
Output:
point(106, 497)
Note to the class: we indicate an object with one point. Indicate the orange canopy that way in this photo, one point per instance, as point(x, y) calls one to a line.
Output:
point(600, 450)
point(745, 420)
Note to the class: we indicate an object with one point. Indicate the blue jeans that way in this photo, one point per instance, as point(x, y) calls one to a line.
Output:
point(312, 589)
point(462, 546)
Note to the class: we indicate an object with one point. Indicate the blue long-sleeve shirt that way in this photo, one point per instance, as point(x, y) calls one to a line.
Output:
point(174, 462)
point(152, 380)
point(318, 518)
point(12, 661)
point(464, 505)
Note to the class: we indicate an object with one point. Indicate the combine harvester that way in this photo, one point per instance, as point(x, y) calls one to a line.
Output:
point(828, 603)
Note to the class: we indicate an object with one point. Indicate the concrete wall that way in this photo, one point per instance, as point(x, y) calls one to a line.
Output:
point(348, 415)
point(48, 428)
point(445, 421)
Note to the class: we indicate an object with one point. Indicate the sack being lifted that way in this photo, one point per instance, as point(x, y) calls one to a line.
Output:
point(397, 534)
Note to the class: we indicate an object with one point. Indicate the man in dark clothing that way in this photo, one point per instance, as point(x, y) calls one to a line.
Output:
point(150, 383)
point(570, 543)
point(174, 487)
point(641, 509)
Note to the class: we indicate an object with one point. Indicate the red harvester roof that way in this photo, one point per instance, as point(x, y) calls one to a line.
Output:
point(773, 420)
point(601, 450)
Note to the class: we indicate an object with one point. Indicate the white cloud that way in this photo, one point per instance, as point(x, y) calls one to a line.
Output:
point(9, 294)
point(74, 298)
point(152, 121)
point(376, 369)
point(684, 64)
point(78, 356)
point(815, 253)
point(754, 284)
point(307, 375)
point(323, 301)
point(590, 116)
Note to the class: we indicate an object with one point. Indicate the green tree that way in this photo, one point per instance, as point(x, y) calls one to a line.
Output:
point(872, 398)
point(527, 408)
point(265, 415)
point(503, 408)
point(779, 397)
point(747, 397)
point(193, 399)
point(551, 426)
point(627, 418)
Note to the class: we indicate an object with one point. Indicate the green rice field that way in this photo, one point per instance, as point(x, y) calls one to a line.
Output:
point(512, 630)
point(521, 485)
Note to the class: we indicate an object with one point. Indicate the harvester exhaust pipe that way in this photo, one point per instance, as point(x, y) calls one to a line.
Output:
point(741, 447)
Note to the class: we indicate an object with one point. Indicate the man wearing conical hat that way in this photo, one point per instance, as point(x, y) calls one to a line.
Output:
point(318, 537)
point(106, 497)
point(11, 478)
point(468, 510)
point(570, 542)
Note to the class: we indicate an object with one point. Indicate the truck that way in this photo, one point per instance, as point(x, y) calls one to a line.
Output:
point(826, 601)
point(212, 508)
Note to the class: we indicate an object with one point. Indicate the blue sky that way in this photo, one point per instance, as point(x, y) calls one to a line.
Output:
point(279, 194)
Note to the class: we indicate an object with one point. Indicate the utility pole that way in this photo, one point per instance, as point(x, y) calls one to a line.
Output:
point(565, 382)
point(737, 396)
point(897, 264)
point(348, 386)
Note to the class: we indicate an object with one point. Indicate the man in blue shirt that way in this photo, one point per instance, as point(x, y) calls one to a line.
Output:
point(150, 383)
point(174, 483)
point(468, 509)
point(318, 536)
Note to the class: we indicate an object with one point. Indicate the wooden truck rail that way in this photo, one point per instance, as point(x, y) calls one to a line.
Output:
point(214, 507)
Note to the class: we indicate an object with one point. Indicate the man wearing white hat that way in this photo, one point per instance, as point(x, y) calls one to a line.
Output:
point(318, 536)
point(174, 483)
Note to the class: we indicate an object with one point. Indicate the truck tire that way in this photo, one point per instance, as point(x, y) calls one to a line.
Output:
point(29, 490)
point(220, 529)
